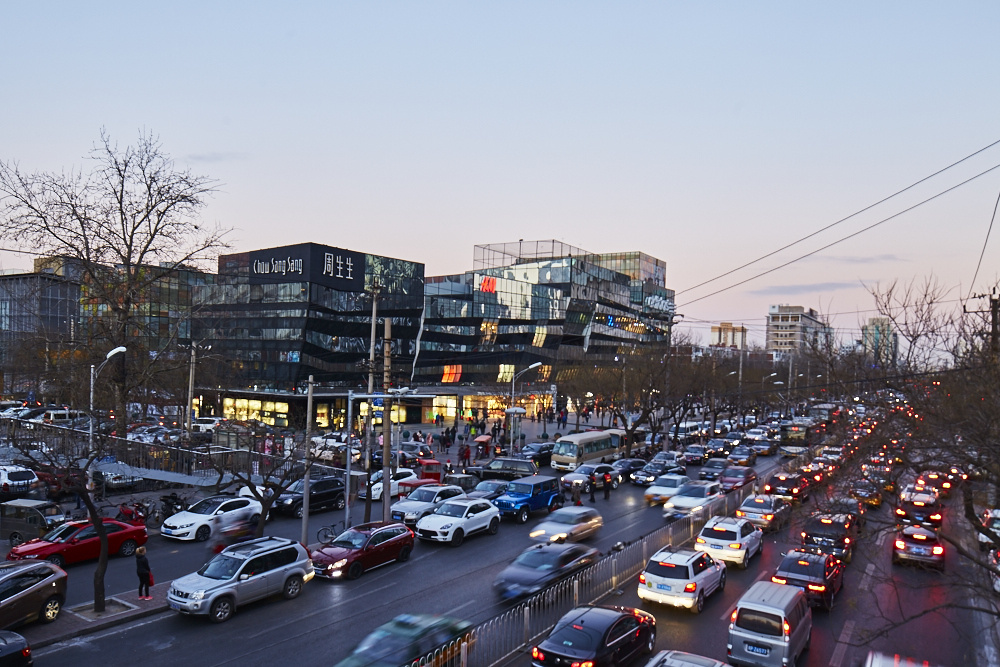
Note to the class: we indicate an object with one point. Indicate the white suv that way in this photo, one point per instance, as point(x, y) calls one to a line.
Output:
point(456, 518)
point(730, 539)
point(681, 578)
point(422, 501)
point(693, 497)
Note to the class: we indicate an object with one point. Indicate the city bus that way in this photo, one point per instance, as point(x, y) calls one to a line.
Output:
point(572, 451)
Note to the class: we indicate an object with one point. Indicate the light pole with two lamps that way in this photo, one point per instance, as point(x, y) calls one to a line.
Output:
point(513, 414)
point(94, 372)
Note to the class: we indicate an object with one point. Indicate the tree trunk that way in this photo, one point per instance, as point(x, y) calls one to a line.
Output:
point(102, 561)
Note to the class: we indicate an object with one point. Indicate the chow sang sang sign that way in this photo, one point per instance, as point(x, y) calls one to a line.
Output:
point(308, 262)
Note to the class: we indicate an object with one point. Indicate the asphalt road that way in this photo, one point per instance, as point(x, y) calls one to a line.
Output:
point(329, 618)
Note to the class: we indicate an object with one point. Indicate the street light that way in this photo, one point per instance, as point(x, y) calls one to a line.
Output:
point(513, 417)
point(190, 406)
point(93, 376)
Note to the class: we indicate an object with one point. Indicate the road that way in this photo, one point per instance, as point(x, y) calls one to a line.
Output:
point(329, 618)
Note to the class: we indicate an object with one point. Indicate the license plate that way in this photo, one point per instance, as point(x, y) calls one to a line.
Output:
point(175, 606)
point(166, 531)
point(921, 551)
point(663, 587)
point(397, 517)
point(715, 546)
point(759, 650)
point(751, 515)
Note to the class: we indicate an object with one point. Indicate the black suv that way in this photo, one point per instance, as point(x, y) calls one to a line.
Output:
point(324, 493)
point(833, 534)
point(791, 486)
point(505, 469)
point(539, 452)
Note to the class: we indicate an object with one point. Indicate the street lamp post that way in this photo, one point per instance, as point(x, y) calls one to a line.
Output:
point(94, 372)
point(513, 417)
point(190, 405)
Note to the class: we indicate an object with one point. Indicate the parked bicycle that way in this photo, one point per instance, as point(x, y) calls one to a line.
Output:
point(329, 533)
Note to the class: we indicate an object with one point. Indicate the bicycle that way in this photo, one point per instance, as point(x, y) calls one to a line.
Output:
point(329, 533)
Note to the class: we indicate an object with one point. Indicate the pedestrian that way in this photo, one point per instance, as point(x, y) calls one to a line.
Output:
point(144, 573)
point(576, 494)
point(593, 483)
point(607, 486)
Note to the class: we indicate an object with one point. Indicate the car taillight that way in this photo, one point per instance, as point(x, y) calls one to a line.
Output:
point(732, 617)
point(900, 544)
point(642, 578)
point(768, 517)
point(947, 485)
point(795, 490)
point(803, 533)
point(767, 487)
point(691, 588)
point(537, 655)
point(900, 511)
point(740, 513)
point(935, 517)
point(819, 588)
point(778, 580)
point(26, 651)
point(938, 550)
point(847, 540)
point(585, 663)
point(735, 545)
point(700, 540)
point(786, 628)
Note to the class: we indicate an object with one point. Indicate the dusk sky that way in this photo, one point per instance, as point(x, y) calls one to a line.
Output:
point(708, 134)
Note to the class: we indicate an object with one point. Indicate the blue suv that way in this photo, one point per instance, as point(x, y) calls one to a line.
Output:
point(530, 494)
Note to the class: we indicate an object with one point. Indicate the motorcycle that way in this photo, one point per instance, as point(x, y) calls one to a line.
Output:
point(142, 513)
point(173, 504)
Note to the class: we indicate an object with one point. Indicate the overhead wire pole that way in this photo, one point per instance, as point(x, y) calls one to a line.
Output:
point(386, 419)
point(305, 477)
point(374, 290)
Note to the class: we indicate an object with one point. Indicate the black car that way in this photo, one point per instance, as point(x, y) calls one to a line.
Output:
point(820, 576)
point(695, 454)
point(713, 469)
point(324, 493)
point(541, 565)
point(648, 473)
point(490, 489)
point(409, 638)
point(628, 466)
point(14, 650)
point(834, 534)
point(791, 486)
point(867, 492)
point(504, 468)
point(597, 636)
point(540, 453)
point(719, 447)
point(919, 509)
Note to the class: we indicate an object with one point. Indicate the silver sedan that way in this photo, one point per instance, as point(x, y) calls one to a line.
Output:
point(568, 524)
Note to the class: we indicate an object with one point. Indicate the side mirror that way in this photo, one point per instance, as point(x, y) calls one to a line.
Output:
point(244, 577)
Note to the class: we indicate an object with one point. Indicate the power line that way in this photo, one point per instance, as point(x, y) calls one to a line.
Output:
point(983, 251)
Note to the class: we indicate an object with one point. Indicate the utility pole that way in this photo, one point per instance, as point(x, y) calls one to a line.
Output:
point(305, 477)
point(386, 420)
point(994, 323)
point(374, 291)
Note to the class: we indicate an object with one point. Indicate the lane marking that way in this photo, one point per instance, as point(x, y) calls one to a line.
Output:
point(837, 659)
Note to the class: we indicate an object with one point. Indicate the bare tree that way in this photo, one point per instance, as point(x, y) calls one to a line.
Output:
point(119, 228)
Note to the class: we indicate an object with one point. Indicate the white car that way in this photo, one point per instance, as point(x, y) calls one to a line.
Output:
point(730, 539)
point(568, 524)
point(693, 497)
point(454, 519)
point(991, 519)
point(664, 488)
point(210, 515)
point(422, 501)
point(681, 578)
point(401, 475)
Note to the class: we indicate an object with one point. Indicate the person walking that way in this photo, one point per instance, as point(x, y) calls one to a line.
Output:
point(144, 573)
point(607, 486)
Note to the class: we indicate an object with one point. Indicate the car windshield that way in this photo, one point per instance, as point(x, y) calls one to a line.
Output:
point(759, 622)
point(565, 516)
point(489, 486)
point(741, 451)
point(799, 565)
point(667, 570)
point(585, 470)
point(716, 463)
point(221, 567)
point(696, 449)
point(537, 559)
point(824, 526)
point(576, 637)
point(524, 489)
point(757, 504)
point(693, 491)
point(296, 487)
point(565, 449)
point(422, 495)
point(668, 482)
point(654, 468)
point(60, 533)
point(382, 647)
point(350, 539)
point(451, 509)
point(377, 476)
point(737, 473)
point(207, 506)
point(20, 476)
point(719, 533)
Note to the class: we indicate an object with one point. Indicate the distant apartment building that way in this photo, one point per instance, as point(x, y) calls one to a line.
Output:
point(879, 342)
point(794, 329)
point(727, 335)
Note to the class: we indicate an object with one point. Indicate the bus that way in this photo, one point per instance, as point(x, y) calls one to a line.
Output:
point(572, 451)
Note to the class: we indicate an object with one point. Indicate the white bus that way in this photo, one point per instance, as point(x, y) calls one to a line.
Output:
point(572, 451)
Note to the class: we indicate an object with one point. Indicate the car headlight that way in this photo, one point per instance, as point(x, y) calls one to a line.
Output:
point(695, 509)
point(447, 526)
point(556, 538)
point(287, 501)
point(198, 595)
point(32, 556)
point(339, 564)
point(411, 515)
point(185, 525)
point(536, 533)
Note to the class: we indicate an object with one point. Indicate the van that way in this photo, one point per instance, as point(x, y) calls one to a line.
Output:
point(685, 432)
point(770, 627)
point(58, 416)
point(25, 519)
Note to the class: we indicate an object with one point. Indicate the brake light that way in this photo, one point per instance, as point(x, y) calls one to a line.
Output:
point(803, 533)
point(537, 655)
point(787, 628)
point(768, 517)
point(947, 485)
point(642, 578)
point(919, 536)
point(732, 617)
point(847, 540)
point(826, 520)
point(900, 511)
point(691, 588)
point(935, 517)
point(795, 490)
point(777, 580)
point(938, 550)
point(739, 513)
point(900, 544)
point(700, 540)
point(819, 588)
point(767, 487)
point(735, 545)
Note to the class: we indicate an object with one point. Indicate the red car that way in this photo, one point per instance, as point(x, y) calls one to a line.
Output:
point(77, 541)
point(363, 547)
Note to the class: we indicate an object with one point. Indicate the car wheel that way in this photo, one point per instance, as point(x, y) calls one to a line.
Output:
point(293, 586)
point(299, 511)
point(15, 539)
point(651, 641)
point(699, 604)
point(722, 580)
point(614, 484)
point(127, 548)
point(57, 560)
point(50, 610)
point(494, 525)
point(339, 503)
point(522, 515)
point(221, 610)
point(457, 537)
point(849, 555)
point(202, 533)
point(587, 489)
point(404, 554)
point(743, 562)
point(355, 570)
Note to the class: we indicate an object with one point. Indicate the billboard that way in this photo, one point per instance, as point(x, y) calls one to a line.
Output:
point(309, 262)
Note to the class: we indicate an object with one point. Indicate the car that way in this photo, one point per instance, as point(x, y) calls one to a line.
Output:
point(743, 456)
point(653, 470)
point(361, 548)
point(756, 434)
point(936, 480)
point(664, 487)
point(14, 650)
point(507, 469)
point(592, 475)
point(994, 563)
point(719, 447)
point(540, 453)
point(681, 578)
point(467, 482)
point(30, 590)
point(325, 493)
point(408, 639)
point(206, 424)
point(765, 511)
point(400, 475)
point(595, 635)
point(820, 576)
point(833, 453)
point(921, 509)
point(540, 566)
point(422, 501)
point(420, 450)
point(530, 494)
point(813, 474)
point(682, 659)
point(17, 482)
point(713, 469)
point(737, 476)
point(695, 455)
point(77, 541)
point(919, 545)
point(866, 491)
point(991, 521)
point(453, 520)
point(835, 534)
point(240, 574)
point(490, 489)
point(568, 524)
point(730, 539)
point(626, 467)
point(845, 504)
point(788, 485)
point(209, 515)
point(693, 497)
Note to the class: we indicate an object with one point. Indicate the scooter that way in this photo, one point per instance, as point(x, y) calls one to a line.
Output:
point(173, 504)
point(140, 514)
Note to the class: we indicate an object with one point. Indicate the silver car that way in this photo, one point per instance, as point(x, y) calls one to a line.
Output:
point(568, 524)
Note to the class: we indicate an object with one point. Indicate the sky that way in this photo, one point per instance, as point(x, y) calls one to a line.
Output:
point(707, 134)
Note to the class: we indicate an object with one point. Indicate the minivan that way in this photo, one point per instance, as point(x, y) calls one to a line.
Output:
point(770, 627)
